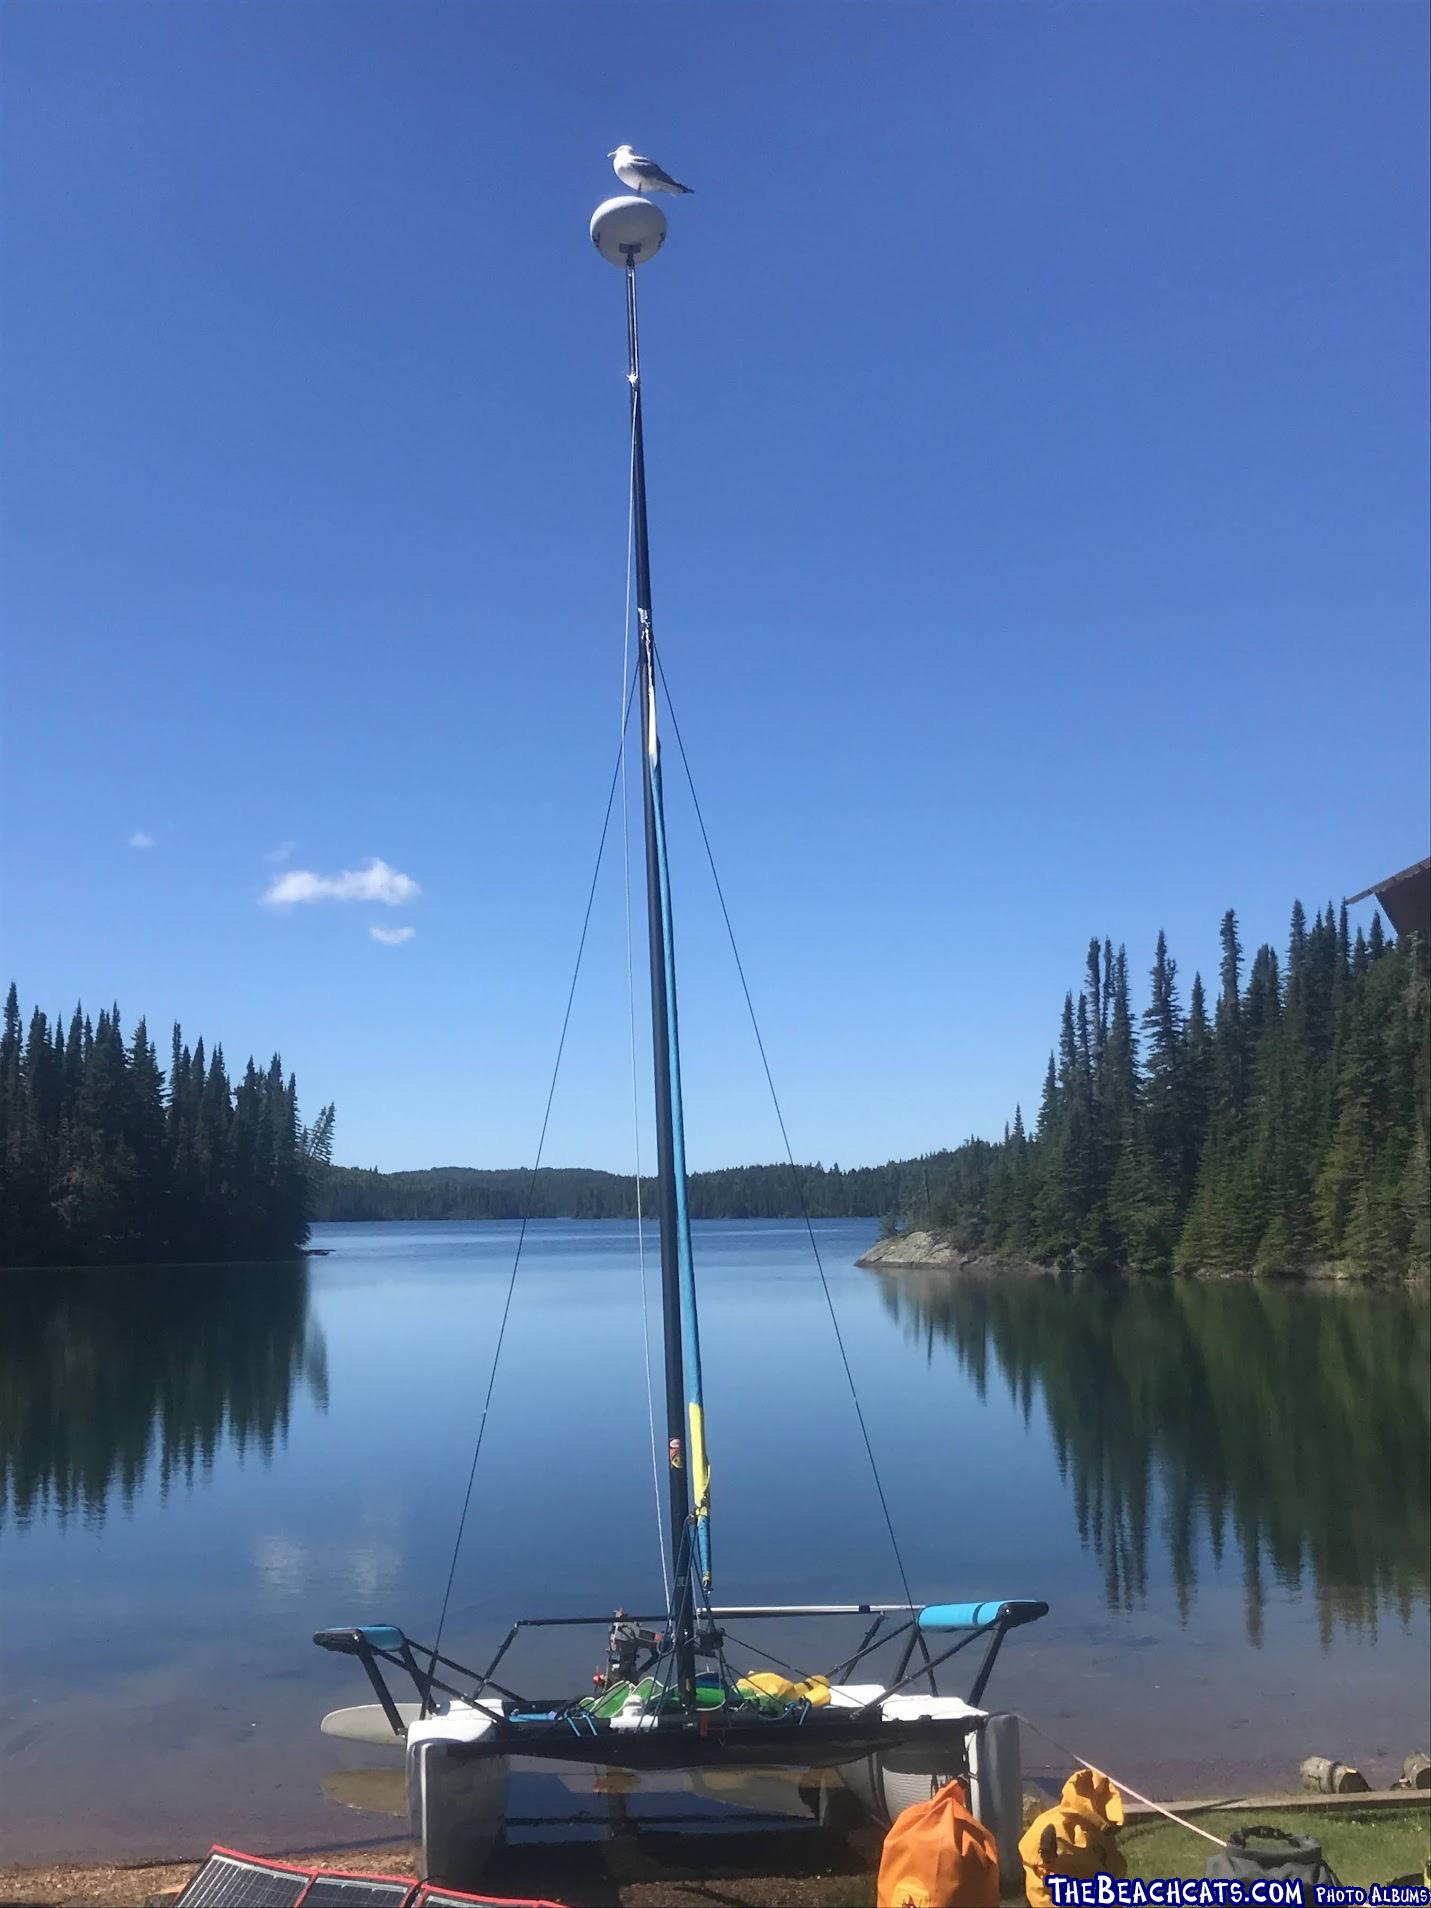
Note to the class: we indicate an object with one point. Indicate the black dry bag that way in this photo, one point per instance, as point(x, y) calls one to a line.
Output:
point(1268, 1854)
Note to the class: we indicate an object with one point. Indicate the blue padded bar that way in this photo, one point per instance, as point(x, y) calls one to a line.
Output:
point(381, 1636)
point(959, 1616)
point(973, 1616)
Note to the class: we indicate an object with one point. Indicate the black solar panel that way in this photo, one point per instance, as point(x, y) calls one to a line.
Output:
point(356, 1891)
point(224, 1882)
point(444, 1898)
point(242, 1881)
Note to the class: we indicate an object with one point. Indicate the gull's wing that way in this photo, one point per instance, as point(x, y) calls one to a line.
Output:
point(648, 169)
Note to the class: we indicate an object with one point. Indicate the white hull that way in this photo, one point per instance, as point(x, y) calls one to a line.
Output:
point(368, 1724)
point(892, 1780)
point(457, 1799)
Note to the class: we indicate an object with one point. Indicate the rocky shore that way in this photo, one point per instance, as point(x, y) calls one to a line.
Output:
point(936, 1251)
point(919, 1251)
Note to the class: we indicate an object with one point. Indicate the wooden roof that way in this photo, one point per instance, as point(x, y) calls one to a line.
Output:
point(1405, 899)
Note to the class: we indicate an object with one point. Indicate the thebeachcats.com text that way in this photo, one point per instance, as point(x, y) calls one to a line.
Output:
point(1206, 1891)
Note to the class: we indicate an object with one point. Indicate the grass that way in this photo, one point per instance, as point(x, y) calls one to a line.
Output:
point(1362, 1849)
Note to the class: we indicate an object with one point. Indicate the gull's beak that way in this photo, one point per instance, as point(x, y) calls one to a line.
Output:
point(612, 154)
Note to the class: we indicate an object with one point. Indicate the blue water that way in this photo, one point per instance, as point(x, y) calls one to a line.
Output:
point(200, 1469)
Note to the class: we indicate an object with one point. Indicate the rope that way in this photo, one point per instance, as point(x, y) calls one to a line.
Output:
point(531, 1188)
point(631, 1023)
point(754, 1649)
point(1118, 1782)
point(785, 1137)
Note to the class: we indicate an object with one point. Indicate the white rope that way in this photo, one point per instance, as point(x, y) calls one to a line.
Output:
point(631, 1022)
point(1119, 1783)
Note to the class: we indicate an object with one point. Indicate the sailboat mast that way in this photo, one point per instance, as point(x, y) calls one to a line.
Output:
point(670, 1146)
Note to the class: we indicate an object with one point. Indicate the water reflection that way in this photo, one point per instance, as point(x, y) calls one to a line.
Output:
point(1293, 1422)
point(108, 1375)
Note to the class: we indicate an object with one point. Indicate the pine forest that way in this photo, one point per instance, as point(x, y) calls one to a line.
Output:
point(103, 1162)
point(1282, 1129)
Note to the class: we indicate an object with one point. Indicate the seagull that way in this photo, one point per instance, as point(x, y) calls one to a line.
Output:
point(642, 175)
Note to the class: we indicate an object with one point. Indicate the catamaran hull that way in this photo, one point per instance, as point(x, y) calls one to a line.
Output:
point(890, 1747)
point(889, 1781)
point(457, 1791)
point(457, 1804)
point(883, 1784)
point(890, 1753)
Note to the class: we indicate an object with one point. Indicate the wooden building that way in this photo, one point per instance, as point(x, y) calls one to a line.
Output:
point(1405, 899)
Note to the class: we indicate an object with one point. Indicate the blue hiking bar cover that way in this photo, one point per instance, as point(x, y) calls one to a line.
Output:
point(976, 1616)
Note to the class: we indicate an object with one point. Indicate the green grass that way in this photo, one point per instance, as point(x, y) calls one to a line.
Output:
point(1374, 1847)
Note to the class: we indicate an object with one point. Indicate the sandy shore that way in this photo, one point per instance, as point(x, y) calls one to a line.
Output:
point(772, 1870)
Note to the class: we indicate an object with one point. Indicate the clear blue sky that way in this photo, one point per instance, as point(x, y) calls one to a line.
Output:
point(1038, 446)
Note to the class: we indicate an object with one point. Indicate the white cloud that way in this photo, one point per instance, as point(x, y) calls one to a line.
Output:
point(140, 840)
point(375, 882)
point(281, 852)
point(392, 937)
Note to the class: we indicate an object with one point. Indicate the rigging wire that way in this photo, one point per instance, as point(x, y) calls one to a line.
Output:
point(532, 1180)
point(631, 1019)
point(1119, 1783)
point(784, 1135)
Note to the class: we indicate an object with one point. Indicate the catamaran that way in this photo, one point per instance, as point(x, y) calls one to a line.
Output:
point(668, 1697)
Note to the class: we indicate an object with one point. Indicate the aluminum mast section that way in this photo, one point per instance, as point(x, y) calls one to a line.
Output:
point(688, 1472)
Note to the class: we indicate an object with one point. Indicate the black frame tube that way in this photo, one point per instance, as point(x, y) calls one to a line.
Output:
point(383, 1693)
point(353, 1643)
point(1000, 1628)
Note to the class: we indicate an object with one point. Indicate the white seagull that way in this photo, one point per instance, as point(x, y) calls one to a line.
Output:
point(641, 174)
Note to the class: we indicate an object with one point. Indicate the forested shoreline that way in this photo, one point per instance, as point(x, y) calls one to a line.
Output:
point(106, 1161)
point(1283, 1130)
point(581, 1192)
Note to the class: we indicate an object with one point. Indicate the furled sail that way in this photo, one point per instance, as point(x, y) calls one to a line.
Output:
point(700, 1477)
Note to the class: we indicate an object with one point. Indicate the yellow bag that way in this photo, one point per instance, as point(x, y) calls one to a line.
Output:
point(815, 1690)
point(937, 1855)
point(1077, 1837)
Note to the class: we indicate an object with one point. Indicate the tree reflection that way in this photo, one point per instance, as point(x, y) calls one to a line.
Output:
point(107, 1376)
point(1294, 1420)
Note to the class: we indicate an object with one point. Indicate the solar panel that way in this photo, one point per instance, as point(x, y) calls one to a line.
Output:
point(444, 1898)
point(356, 1891)
point(227, 1882)
point(241, 1881)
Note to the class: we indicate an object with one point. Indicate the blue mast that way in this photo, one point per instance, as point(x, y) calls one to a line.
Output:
point(689, 1472)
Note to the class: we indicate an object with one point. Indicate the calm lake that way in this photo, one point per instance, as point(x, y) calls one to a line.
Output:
point(1221, 1489)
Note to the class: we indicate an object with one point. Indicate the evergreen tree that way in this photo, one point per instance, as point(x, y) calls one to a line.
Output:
point(1163, 1189)
point(12, 1148)
point(1198, 1080)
